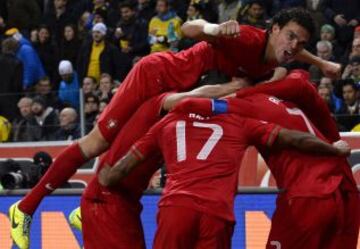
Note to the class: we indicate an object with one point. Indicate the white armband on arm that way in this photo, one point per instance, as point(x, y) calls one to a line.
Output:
point(211, 29)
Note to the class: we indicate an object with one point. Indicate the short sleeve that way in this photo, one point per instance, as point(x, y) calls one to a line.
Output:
point(261, 132)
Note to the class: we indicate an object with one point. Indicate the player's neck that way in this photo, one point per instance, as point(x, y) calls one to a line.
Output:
point(269, 56)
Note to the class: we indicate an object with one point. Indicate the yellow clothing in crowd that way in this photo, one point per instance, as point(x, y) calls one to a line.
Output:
point(94, 62)
point(162, 28)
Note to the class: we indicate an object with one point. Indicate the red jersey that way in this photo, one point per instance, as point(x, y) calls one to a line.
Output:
point(246, 53)
point(134, 184)
point(297, 89)
point(240, 56)
point(300, 174)
point(202, 157)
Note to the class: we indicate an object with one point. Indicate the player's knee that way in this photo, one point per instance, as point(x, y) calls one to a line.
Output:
point(93, 144)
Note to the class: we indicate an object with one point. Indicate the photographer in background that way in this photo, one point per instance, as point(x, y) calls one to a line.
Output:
point(17, 175)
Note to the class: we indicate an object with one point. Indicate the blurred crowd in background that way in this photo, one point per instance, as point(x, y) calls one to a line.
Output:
point(62, 60)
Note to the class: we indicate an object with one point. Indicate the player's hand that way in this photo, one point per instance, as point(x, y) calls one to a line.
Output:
point(103, 176)
point(229, 28)
point(342, 147)
point(331, 69)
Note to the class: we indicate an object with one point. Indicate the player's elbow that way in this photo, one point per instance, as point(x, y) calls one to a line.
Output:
point(193, 29)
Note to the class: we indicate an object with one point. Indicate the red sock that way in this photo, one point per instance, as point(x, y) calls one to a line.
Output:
point(59, 172)
point(200, 106)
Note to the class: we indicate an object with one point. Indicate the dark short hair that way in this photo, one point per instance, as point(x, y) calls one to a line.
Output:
point(349, 82)
point(91, 96)
point(127, 4)
point(298, 15)
point(9, 46)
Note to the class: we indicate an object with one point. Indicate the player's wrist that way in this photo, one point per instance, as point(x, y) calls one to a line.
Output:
point(211, 29)
point(219, 106)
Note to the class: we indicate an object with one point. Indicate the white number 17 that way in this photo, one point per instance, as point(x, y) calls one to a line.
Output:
point(208, 146)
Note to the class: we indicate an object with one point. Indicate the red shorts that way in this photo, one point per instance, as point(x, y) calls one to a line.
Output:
point(111, 223)
point(141, 83)
point(184, 228)
point(330, 222)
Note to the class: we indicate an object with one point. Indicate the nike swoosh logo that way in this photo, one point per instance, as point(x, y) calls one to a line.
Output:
point(49, 187)
point(14, 225)
point(78, 217)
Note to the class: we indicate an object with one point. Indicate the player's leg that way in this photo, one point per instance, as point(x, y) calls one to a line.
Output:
point(178, 228)
point(111, 222)
point(60, 171)
point(141, 83)
point(215, 233)
point(349, 234)
point(303, 223)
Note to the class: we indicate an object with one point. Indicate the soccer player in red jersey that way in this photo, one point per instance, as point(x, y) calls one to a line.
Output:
point(105, 226)
point(313, 185)
point(202, 157)
point(254, 53)
point(160, 72)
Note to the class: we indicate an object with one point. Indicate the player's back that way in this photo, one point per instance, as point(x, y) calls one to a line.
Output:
point(203, 157)
point(300, 174)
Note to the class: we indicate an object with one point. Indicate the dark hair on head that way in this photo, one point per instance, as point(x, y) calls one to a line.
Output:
point(297, 15)
point(349, 82)
point(9, 46)
point(127, 4)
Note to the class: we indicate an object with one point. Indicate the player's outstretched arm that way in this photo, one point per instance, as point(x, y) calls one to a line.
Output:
point(109, 176)
point(207, 91)
point(202, 30)
point(330, 69)
point(306, 142)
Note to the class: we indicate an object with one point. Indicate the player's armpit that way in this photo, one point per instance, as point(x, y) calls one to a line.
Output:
point(306, 142)
point(109, 176)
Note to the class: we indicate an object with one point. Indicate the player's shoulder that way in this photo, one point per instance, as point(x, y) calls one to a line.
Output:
point(254, 32)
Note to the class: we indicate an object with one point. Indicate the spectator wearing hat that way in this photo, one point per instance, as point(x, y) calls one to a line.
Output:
point(11, 70)
point(344, 15)
point(69, 85)
point(44, 122)
point(98, 56)
point(327, 33)
point(32, 65)
point(69, 125)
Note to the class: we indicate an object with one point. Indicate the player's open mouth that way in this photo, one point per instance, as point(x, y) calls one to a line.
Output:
point(288, 55)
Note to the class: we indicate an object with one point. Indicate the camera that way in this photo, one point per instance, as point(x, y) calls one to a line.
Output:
point(24, 174)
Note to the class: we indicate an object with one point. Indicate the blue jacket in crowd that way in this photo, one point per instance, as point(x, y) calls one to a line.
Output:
point(33, 68)
point(69, 92)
